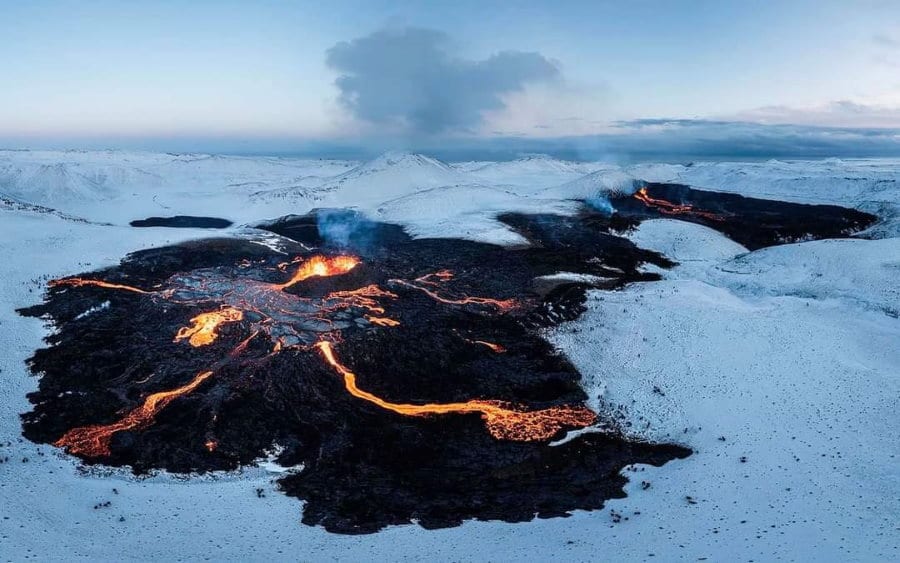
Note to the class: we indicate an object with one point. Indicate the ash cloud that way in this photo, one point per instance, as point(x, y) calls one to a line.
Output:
point(410, 77)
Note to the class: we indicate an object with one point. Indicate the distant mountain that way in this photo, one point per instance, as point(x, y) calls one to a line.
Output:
point(389, 176)
point(69, 181)
point(10, 204)
point(536, 171)
point(600, 183)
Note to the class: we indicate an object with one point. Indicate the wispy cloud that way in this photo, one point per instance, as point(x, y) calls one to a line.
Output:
point(839, 113)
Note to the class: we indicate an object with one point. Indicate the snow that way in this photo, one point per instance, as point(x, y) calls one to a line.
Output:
point(684, 242)
point(390, 175)
point(785, 358)
point(601, 183)
point(529, 172)
point(831, 181)
point(466, 212)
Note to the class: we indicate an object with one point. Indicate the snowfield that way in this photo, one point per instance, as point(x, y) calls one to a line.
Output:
point(780, 368)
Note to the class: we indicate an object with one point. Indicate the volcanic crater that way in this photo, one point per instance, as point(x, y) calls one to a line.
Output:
point(405, 379)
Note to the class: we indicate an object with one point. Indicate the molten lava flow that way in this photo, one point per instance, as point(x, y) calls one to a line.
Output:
point(670, 208)
point(382, 321)
point(284, 318)
point(363, 297)
point(79, 282)
point(203, 329)
point(94, 440)
point(444, 276)
point(495, 347)
point(502, 422)
point(321, 266)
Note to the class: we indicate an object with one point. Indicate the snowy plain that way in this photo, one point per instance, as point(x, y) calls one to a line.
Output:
point(780, 368)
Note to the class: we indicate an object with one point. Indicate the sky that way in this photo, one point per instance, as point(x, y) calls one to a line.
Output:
point(281, 75)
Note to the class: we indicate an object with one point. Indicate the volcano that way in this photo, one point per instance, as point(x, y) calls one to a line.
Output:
point(404, 380)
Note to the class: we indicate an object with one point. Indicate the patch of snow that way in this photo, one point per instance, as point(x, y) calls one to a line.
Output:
point(692, 246)
point(92, 310)
point(466, 212)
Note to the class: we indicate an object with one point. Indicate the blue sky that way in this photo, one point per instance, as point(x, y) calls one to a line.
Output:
point(119, 73)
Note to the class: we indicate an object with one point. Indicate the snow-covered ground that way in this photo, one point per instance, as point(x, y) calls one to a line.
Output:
point(780, 367)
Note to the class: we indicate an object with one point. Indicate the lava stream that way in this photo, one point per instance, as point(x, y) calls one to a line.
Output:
point(94, 440)
point(502, 423)
point(444, 276)
point(382, 321)
point(494, 347)
point(203, 329)
point(670, 208)
point(79, 282)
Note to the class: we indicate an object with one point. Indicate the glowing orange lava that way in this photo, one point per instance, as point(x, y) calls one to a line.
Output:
point(495, 347)
point(670, 208)
point(447, 275)
point(382, 321)
point(79, 282)
point(321, 266)
point(203, 329)
point(363, 297)
point(94, 440)
point(502, 421)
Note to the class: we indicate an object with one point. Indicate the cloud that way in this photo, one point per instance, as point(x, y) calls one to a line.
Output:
point(883, 40)
point(839, 113)
point(743, 139)
point(409, 77)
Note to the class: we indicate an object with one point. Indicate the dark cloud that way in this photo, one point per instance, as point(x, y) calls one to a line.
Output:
point(410, 77)
point(742, 139)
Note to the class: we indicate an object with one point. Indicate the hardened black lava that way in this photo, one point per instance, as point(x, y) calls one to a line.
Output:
point(754, 223)
point(450, 322)
point(183, 222)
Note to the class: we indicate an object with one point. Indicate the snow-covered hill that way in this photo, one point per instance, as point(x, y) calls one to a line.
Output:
point(529, 172)
point(602, 183)
point(63, 183)
point(392, 175)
